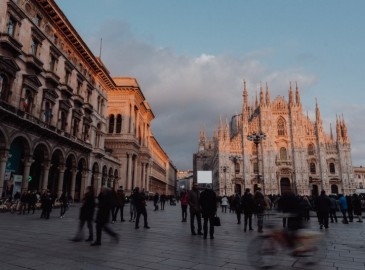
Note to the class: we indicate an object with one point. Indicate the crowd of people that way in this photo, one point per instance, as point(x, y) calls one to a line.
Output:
point(203, 208)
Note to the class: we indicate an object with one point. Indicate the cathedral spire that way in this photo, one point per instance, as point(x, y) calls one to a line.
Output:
point(318, 113)
point(344, 130)
point(220, 129)
point(256, 102)
point(226, 129)
point(338, 130)
point(245, 102)
point(262, 102)
point(297, 95)
point(267, 95)
point(331, 134)
point(215, 133)
point(291, 101)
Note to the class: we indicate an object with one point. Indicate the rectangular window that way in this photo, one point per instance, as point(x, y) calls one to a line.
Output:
point(37, 20)
point(11, 26)
point(34, 47)
point(52, 64)
point(67, 77)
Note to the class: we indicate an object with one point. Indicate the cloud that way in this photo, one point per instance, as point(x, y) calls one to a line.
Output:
point(187, 93)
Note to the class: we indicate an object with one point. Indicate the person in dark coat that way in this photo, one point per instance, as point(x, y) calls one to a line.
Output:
point(237, 206)
point(259, 202)
point(356, 203)
point(48, 202)
point(333, 209)
point(247, 204)
point(292, 208)
point(323, 205)
point(103, 215)
point(155, 201)
point(162, 201)
point(208, 204)
point(64, 202)
point(350, 208)
point(140, 200)
point(195, 210)
point(32, 202)
point(119, 206)
point(86, 215)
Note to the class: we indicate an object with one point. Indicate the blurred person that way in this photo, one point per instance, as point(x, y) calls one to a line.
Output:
point(141, 208)
point(350, 208)
point(105, 202)
point(247, 204)
point(259, 202)
point(237, 206)
point(224, 204)
point(343, 207)
point(333, 209)
point(63, 204)
point(195, 210)
point(120, 201)
point(163, 201)
point(356, 202)
point(184, 205)
point(208, 204)
point(323, 205)
point(132, 206)
point(156, 197)
point(86, 215)
point(32, 201)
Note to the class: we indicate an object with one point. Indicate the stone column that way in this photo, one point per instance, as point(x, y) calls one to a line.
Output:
point(84, 182)
point(73, 182)
point(27, 163)
point(3, 160)
point(148, 166)
point(46, 168)
point(135, 173)
point(143, 184)
point(60, 180)
point(129, 177)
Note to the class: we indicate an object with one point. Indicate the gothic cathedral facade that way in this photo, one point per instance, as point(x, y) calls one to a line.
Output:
point(296, 152)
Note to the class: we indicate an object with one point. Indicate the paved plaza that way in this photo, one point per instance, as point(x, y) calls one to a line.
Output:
point(28, 242)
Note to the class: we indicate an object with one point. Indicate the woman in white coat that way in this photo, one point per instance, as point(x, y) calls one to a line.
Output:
point(224, 204)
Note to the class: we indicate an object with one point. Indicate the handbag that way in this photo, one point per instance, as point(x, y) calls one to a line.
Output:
point(216, 221)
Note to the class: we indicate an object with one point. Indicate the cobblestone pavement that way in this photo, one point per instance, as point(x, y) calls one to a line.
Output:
point(28, 242)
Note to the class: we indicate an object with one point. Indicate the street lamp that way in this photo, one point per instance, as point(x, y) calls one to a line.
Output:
point(257, 138)
point(225, 169)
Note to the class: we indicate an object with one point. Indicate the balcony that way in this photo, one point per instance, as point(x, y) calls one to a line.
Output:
point(78, 99)
point(10, 44)
point(286, 161)
point(52, 78)
point(34, 63)
point(66, 90)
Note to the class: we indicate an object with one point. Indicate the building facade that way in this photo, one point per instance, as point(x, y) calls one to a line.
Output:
point(296, 152)
point(359, 175)
point(143, 161)
point(53, 104)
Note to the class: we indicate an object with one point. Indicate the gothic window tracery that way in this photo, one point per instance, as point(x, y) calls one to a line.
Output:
point(312, 168)
point(311, 150)
point(283, 153)
point(281, 127)
point(332, 168)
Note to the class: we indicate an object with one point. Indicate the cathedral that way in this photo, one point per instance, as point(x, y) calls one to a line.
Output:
point(274, 146)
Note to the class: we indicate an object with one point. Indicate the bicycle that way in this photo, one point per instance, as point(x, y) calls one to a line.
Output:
point(269, 250)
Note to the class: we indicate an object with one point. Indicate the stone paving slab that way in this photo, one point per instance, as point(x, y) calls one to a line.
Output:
point(28, 242)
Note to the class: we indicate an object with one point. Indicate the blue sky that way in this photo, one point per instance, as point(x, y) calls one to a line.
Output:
point(190, 58)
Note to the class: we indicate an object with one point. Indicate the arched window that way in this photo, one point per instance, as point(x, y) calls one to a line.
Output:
point(311, 150)
point(254, 150)
point(312, 168)
point(281, 127)
point(283, 154)
point(332, 168)
point(111, 123)
point(119, 124)
point(63, 121)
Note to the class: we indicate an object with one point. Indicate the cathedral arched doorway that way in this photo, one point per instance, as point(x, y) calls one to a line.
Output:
point(284, 185)
point(315, 190)
point(238, 189)
point(334, 189)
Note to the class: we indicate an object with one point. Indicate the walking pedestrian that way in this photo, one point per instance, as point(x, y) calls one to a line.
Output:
point(103, 216)
point(184, 205)
point(86, 215)
point(163, 201)
point(259, 201)
point(195, 210)
point(247, 204)
point(350, 208)
point(237, 207)
point(224, 204)
point(356, 203)
point(120, 201)
point(132, 206)
point(141, 208)
point(343, 207)
point(333, 209)
point(156, 197)
point(63, 203)
point(208, 204)
point(32, 202)
point(323, 204)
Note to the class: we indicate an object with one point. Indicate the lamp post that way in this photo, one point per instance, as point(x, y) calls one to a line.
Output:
point(257, 138)
point(235, 160)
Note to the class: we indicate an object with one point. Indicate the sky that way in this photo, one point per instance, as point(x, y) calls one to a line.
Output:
point(190, 59)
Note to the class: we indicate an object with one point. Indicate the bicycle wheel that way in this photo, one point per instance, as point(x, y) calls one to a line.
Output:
point(264, 252)
point(312, 252)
